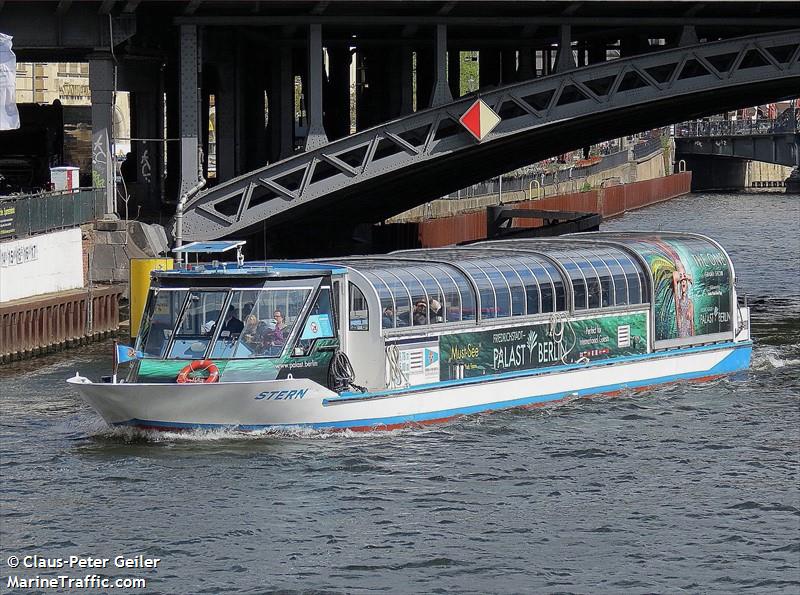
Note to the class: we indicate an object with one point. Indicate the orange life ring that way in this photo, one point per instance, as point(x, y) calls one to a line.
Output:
point(205, 365)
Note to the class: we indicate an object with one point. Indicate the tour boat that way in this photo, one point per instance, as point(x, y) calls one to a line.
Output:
point(421, 336)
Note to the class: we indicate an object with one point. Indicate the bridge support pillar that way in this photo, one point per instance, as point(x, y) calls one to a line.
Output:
point(508, 66)
point(490, 70)
point(101, 83)
point(189, 107)
point(336, 98)
point(381, 99)
point(441, 92)
point(454, 72)
point(526, 68)
point(406, 80)
point(252, 130)
point(596, 53)
point(281, 105)
point(228, 97)
point(793, 182)
point(146, 123)
point(316, 130)
point(564, 59)
point(632, 45)
point(688, 36)
point(545, 62)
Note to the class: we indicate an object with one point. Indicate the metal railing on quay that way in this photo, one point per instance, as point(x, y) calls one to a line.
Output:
point(31, 214)
point(787, 123)
point(646, 148)
point(523, 182)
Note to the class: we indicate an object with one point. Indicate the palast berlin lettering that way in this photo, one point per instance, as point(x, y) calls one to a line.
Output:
point(527, 347)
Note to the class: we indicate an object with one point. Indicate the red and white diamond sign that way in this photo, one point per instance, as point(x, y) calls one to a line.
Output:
point(479, 119)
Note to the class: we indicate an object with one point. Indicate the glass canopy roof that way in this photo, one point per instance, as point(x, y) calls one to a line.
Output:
point(517, 277)
point(503, 279)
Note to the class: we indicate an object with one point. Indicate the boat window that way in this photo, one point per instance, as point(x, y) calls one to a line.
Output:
point(620, 281)
point(559, 287)
point(319, 322)
point(436, 299)
point(530, 286)
point(451, 306)
point(388, 307)
point(485, 289)
point(419, 298)
point(161, 312)
point(402, 298)
point(579, 301)
point(502, 291)
point(635, 293)
point(516, 287)
point(359, 311)
point(606, 283)
point(202, 313)
point(544, 285)
point(467, 294)
point(592, 282)
point(268, 317)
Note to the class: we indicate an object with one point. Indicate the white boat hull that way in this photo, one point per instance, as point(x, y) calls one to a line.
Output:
point(280, 404)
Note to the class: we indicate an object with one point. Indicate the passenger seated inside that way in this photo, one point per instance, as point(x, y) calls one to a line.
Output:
point(436, 311)
point(388, 317)
point(420, 313)
point(232, 324)
point(280, 323)
point(249, 333)
point(269, 338)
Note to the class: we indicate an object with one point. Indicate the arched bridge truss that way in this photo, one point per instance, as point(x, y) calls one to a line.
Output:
point(384, 170)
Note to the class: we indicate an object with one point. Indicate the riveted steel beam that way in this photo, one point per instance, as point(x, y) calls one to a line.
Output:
point(427, 147)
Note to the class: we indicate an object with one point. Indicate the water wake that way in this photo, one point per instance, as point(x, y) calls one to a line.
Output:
point(772, 358)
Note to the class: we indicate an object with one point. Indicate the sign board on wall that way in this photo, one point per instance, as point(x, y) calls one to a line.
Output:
point(41, 264)
point(8, 220)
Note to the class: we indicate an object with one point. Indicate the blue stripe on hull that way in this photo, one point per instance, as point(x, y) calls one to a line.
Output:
point(738, 359)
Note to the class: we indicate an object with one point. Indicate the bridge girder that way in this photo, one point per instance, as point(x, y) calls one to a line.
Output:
point(387, 169)
point(780, 149)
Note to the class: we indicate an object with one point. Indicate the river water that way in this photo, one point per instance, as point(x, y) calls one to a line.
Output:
point(686, 488)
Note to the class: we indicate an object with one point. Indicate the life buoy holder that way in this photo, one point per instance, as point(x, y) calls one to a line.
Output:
point(199, 365)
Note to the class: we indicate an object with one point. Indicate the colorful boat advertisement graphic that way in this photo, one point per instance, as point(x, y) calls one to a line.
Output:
point(533, 346)
point(692, 287)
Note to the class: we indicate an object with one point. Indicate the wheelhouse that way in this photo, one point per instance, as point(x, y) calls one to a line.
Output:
point(234, 314)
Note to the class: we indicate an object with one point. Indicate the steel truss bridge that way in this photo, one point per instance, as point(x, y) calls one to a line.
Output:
point(381, 171)
point(771, 141)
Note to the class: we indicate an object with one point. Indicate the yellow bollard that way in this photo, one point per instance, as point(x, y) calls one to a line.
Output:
point(139, 283)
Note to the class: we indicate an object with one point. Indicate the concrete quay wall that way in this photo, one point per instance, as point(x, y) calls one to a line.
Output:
point(765, 175)
point(43, 324)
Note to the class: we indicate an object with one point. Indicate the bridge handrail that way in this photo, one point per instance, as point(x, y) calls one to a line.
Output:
point(25, 215)
point(761, 126)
